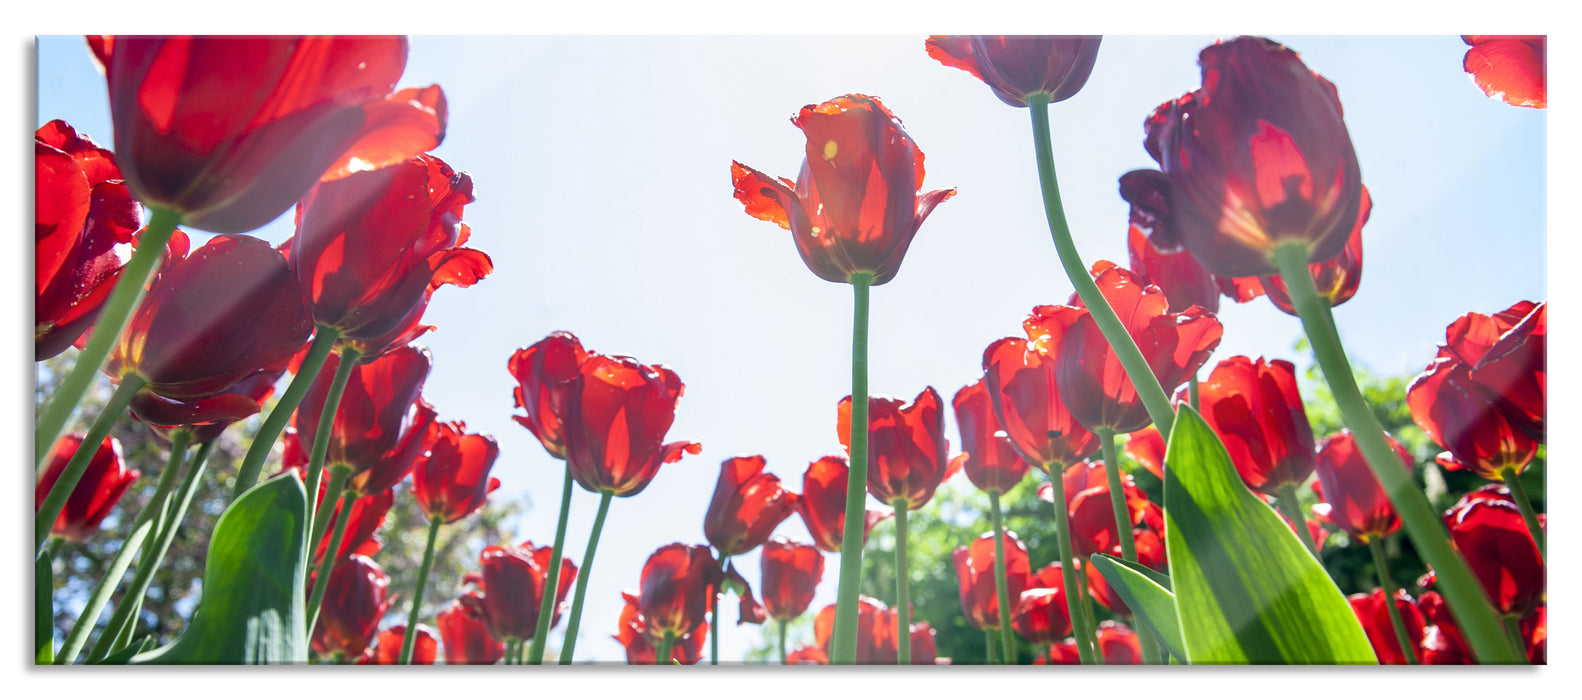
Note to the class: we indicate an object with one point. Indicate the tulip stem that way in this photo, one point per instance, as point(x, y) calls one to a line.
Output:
point(117, 310)
point(714, 621)
point(410, 639)
point(1123, 528)
point(1142, 377)
point(662, 655)
point(49, 511)
point(326, 428)
point(546, 606)
point(582, 579)
point(903, 584)
point(1002, 592)
point(264, 442)
point(988, 647)
point(1068, 563)
point(1292, 508)
point(511, 648)
point(1513, 481)
point(844, 644)
point(1462, 592)
point(332, 496)
point(782, 642)
point(1382, 566)
point(1192, 392)
point(1088, 617)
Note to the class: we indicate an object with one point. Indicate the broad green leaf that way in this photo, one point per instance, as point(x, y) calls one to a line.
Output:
point(1147, 593)
point(43, 609)
point(1247, 590)
point(253, 605)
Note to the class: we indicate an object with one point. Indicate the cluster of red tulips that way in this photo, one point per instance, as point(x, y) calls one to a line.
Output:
point(1258, 193)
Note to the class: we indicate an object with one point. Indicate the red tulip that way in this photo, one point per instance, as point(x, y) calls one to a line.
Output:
point(1535, 632)
point(748, 504)
point(1492, 536)
point(876, 631)
point(632, 633)
point(1353, 499)
point(791, 572)
point(1021, 380)
point(103, 482)
point(1150, 553)
point(987, 455)
point(924, 651)
point(386, 650)
point(1442, 642)
point(1256, 158)
point(1061, 654)
point(676, 584)
point(615, 413)
point(808, 655)
point(1337, 278)
point(230, 131)
point(1509, 68)
point(81, 210)
point(1092, 382)
point(1256, 409)
point(539, 369)
point(1092, 518)
point(977, 582)
point(372, 246)
point(512, 583)
point(355, 599)
point(466, 636)
point(382, 424)
point(1512, 371)
point(750, 611)
point(1147, 447)
point(856, 204)
point(366, 516)
point(1119, 644)
point(823, 504)
point(1180, 276)
point(1041, 615)
point(1375, 619)
point(1017, 66)
point(452, 482)
point(906, 446)
point(1447, 405)
point(258, 387)
point(1158, 257)
point(209, 321)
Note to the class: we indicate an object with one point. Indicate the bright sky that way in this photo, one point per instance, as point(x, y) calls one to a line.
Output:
point(605, 201)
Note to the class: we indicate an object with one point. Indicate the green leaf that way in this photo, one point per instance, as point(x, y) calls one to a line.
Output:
point(1246, 589)
point(1147, 593)
point(122, 656)
point(43, 609)
point(253, 609)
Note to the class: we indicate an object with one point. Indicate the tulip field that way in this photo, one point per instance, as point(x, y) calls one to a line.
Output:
point(1058, 392)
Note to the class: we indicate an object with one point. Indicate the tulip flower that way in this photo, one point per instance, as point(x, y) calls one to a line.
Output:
point(1535, 632)
point(808, 655)
point(1150, 553)
point(1042, 615)
point(81, 211)
point(1353, 499)
point(632, 633)
point(512, 582)
point(988, 457)
point(1147, 447)
point(1511, 370)
point(466, 635)
point(1086, 488)
point(538, 370)
point(1376, 622)
point(1489, 531)
point(791, 572)
point(677, 582)
point(1336, 279)
point(1180, 276)
point(381, 424)
point(748, 504)
point(1119, 644)
point(105, 480)
point(453, 480)
point(258, 387)
point(1024, 390)
point(365, 516)
point(355, 601)
point(387, 647)
point(1256, 409)
point(230, 131)
point(1509, 68)
point(823, 504)
point(876, 631)
point(924, 651)
point(975, 574)
point(1017, 66)
point(1061, 654)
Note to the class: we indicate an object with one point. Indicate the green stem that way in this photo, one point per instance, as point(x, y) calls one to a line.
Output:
point(903, 584)
point(1068, 566)
point(323, 341)
point(321, 582)
point(844, 644)
point(1513, 635)
point(326, 427)
point(988, 647)
point(118, 309)
point(714, 622)
point(511, 647)
point(1142, 377)
point(1292, 507)
point(1513, 481)
point(1089, 618)
point(1002, 590)
point(1455, 581)
point(662, 655)
point(1123, 530)
point(49, 511)
point(1382, 566)
point(546, 606)
point(1192, 392)
point(410, 639)
point(782, 642)
point(582, 580)
point(332, 494)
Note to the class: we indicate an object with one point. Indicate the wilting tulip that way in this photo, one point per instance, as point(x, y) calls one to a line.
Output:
point(856, 204)
point(1509, 68)
point(748, 504)
point(1492, 536)
point(230, 131)
point(1256, 158)
point(616, 413)
point(906, 446)
point(81, 211)
point(1021, 379)
point(382, 423)
point(452, 482)
point(1062, 654)
point(674, 593)
point(103, 483)
point(1256, 409)
point(386, 650)
point(791, 572)
point(987, 455)
point(1353, 499)
point(1147, 447)
point(823, 504)
point(976, 579)
point(354, 601)
point(466, 636)
point(632, 633)
point(539, 369)
point(226, 311)
point(876, 631)
point(1042, 615)
point(404, 224)
point(1375, 618)
point(512, 583)
point(1017, 66)
point(1119, 644)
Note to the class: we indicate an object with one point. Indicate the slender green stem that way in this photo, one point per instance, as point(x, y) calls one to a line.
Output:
point(323, 341)
point(582, 580)
point(903, 584)
point(1002, 590)
point(511, 648)
point(518, 654)
point(546, 606)
point(326, 427)
point(410, 639)
point(44, 604)
point(1462, 592)
point(1292, 507)
point(1513, 635)
point(662, 655)
point(782, 642)
point(117, 310)
point(1148, 389)
point(1123, 530)
point(844, 644)
point(321, 582)
point(1089, 618)
point(1513, 481)
point(1068, 566)
point(1382, 566)
point(714, 622)
point(49, 510)
point(988, 647)
point(1192, 392)
point(332, 494)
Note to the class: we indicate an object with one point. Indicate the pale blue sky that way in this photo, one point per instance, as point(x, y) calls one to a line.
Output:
point(602, 173)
